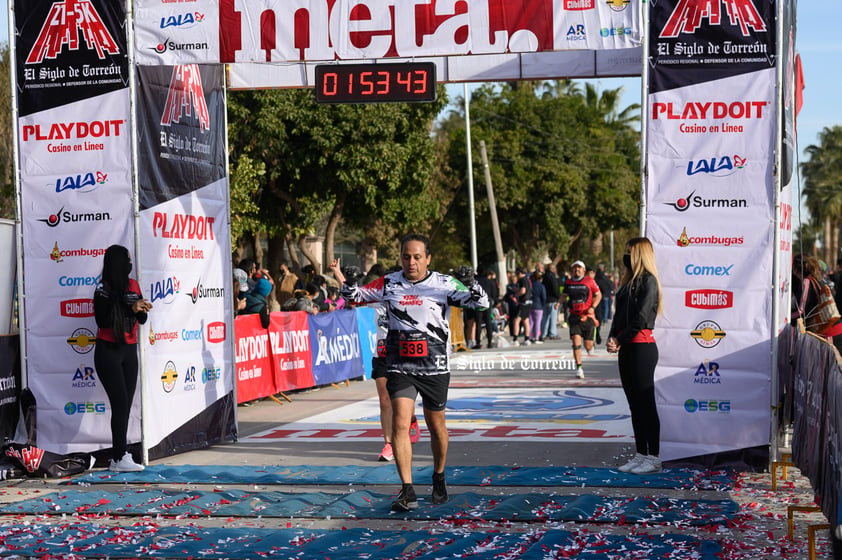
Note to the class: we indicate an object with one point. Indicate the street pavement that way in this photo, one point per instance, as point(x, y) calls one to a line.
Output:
point(515, 406)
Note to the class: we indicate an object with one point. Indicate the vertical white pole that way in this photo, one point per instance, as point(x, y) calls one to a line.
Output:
point(644, 113)
point(470, 171)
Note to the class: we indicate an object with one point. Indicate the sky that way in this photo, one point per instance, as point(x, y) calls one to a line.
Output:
point(817, 40)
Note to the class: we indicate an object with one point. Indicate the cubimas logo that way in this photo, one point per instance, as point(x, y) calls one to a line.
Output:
point(707, 334)
point(694, 200)
point(83, 182)
point(186, 96)
point(82, 341)
point(707, 374)
point(169, 377)
point(66, 216)
point(577, 5)
point(685, 240)
point(709, 299)
point(216, 332)
point(201, 292)
point(716, 166)
point(182, 21)
point(688, 15)
point(77, 308)
point(67, 23)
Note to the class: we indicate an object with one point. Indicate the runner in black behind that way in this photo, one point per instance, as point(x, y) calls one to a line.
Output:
point(418, 303)
point(583, 296)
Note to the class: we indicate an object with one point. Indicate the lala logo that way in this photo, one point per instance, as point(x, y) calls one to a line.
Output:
point(184, 21)
point(83, 182)
point(716, 167)
point(165, 290)
point(62, 27)
point(687, 16)
point(186, 96)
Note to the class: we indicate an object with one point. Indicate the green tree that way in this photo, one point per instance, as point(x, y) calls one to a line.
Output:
point(7, 188)
point(822, 176)
point(367, 165)
point(562, 171)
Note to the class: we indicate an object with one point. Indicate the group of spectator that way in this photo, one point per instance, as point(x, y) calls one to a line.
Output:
point(311, 292)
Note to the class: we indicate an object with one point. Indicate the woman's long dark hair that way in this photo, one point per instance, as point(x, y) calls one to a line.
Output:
point(116, 266)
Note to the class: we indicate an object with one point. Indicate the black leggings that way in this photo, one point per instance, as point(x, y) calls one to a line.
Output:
point(116, 366)
point(637, 372)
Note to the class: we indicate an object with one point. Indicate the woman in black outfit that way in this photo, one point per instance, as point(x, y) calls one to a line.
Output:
point(638, 302)
point(118, 308)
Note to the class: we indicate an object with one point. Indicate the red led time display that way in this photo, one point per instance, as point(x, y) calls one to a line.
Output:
point(376, 83)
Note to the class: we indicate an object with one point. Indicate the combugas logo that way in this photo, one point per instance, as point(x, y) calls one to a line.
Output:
point(688, 15)
point(707, 334)
point(82, 341)
point(685, 240)
point(186, 96)
point(66, 22)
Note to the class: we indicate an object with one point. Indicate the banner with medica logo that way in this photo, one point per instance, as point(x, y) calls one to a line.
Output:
point(335, 347)
point(74, 183)
point(188, 354)
point(710, 214)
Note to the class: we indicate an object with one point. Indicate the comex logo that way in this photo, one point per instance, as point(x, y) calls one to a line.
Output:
point(61, 28)
point(692, 405)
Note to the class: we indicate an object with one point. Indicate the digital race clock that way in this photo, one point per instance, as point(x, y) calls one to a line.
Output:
point(375, 83)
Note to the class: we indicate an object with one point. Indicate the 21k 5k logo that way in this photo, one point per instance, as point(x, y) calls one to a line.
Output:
point(67, 18)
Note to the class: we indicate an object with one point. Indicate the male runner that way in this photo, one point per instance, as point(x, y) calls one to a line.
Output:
point(418, 303)
point(582, 298)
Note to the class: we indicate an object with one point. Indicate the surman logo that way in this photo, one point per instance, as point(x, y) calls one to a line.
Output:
point(64, 22)
point(688, 14)
point(186, 96)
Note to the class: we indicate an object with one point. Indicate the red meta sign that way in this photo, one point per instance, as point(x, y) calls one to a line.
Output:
point(375, 83)
point(186, 95)
point(63, 26)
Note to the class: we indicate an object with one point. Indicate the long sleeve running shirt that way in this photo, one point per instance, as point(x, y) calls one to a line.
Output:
point(418, 313)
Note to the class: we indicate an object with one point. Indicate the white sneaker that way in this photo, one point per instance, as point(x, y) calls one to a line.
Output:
point(126, 464)
point(651, 464)
point(580, 373)
point(635, 461)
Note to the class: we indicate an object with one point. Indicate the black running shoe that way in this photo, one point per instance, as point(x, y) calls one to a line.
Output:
point(406, 499)
point(439, 489)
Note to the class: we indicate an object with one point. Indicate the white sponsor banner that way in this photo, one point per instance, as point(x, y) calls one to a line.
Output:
point(77, 138)
point(516, 39)
point(483, 414)
point(169, 33)
point(188, 360)
point(710, 216)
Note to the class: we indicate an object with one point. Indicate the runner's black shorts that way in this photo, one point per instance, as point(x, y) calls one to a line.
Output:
point(523, 310)
point(378, 367)
point(583, 326)
point(433, 388)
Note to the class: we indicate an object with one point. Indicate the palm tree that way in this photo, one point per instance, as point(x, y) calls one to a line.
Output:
point(822, 175)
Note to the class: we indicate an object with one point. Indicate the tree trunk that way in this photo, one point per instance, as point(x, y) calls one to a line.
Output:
point(332, 223)
point(258, 250)
point(305, 250)
point(275, 254)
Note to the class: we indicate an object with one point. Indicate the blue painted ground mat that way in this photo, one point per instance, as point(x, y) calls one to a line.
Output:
point(152, 541)
point(678, 479)
point(369, 505)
